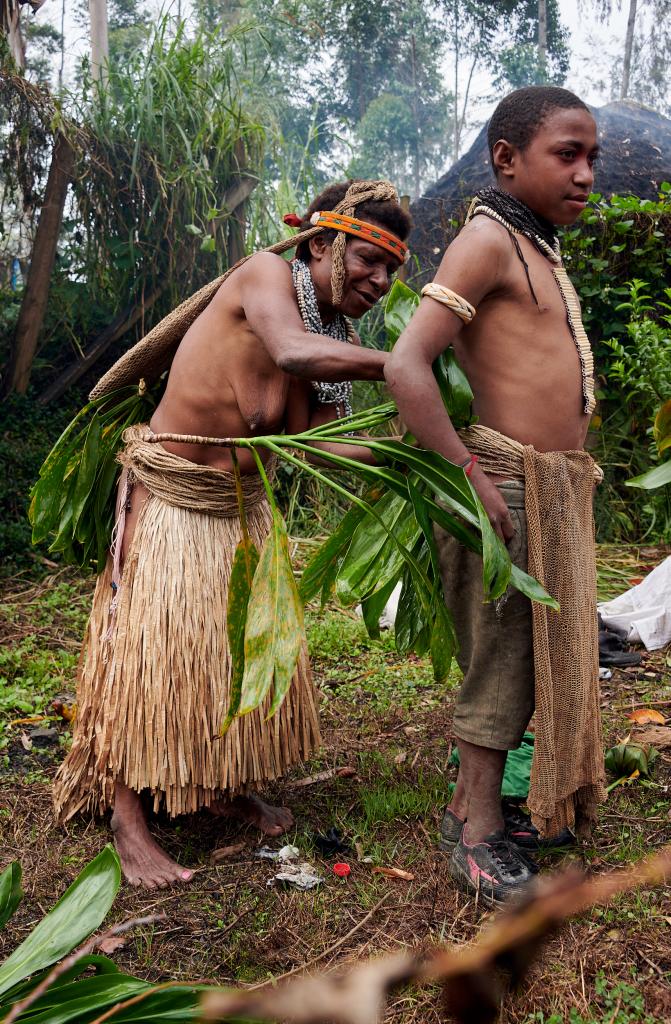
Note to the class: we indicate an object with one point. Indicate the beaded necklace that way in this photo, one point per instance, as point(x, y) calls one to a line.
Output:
point(328, 393)
point(518, 219)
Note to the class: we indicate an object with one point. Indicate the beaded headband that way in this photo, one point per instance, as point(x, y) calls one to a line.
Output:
point(362, 229)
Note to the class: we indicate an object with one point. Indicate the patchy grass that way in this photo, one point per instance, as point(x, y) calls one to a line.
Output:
point(385, 717)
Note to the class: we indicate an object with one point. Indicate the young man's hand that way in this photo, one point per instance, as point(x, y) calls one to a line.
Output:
point(494, 504)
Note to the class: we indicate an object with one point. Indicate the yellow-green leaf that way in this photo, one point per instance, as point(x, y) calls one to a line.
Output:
point(274, 631)
point(245, 561)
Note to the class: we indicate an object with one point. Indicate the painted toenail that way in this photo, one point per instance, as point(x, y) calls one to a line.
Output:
point(186, 875)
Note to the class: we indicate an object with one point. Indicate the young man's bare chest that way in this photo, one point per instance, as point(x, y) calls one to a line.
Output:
point(521, 358)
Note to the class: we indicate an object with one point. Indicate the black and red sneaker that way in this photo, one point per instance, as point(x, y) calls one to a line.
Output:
point(523, 833)
point(493, 870)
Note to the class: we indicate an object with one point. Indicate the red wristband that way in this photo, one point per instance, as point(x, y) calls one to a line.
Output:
point(468, 466)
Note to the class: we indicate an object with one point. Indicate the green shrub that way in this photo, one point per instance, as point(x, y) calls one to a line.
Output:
point(637, 383)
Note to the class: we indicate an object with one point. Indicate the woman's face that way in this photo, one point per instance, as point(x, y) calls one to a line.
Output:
point(368, 274)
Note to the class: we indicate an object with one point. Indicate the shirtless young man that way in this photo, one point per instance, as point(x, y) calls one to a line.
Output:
point(531, 375)
point(154, 692)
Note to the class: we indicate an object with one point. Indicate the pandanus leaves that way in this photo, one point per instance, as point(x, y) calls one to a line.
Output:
point(79, 912)
point(73, 496)
point(10, 891)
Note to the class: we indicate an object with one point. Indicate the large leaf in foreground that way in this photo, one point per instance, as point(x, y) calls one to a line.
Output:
point(82, 1000)
point(319, 573)
point(274, 630)
point(79, 912)
point(658, 476)
point(10, 891)
point(85, 1000)
point(398, 309)
point(455, 390)
point(374, 558)
point(245, 561)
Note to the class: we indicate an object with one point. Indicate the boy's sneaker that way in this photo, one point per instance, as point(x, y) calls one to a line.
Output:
point(493, 870)
point(523, 833)
point(451, 828)
point(518, 830)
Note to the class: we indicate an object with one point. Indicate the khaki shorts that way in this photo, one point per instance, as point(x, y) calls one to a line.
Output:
point(496, 699)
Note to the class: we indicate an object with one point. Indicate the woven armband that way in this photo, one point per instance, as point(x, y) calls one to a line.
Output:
point(448, 298)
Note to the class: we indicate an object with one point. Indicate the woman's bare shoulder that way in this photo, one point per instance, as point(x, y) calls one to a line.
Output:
point(268, 266)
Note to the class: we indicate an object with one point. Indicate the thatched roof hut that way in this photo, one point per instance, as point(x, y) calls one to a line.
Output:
point(635, 159)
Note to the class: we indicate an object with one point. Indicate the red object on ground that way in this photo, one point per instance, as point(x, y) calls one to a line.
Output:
point(341, 870)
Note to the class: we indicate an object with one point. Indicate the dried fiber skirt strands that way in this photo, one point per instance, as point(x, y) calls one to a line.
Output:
point(153, 693)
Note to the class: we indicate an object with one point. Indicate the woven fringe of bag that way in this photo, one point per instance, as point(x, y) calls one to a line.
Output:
point(567, 775)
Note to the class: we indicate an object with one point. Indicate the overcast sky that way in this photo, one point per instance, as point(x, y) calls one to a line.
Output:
point(594, 42)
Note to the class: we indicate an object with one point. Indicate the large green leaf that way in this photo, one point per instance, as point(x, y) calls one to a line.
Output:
point(73, 496)
point(79, 912)
point(88, 998)
point(662, 427)
point(398, 309)
point(450, 483)
point(454, 388)
point(81, 1000)
point(50, 491)
point(245, 561)
point(412, 627)
point(275, 630)
point(374, 556)
point(373, 606)
point(443, 638)
point(320, 569)
point(658, 476)
point(88, 468)
point(10, 891)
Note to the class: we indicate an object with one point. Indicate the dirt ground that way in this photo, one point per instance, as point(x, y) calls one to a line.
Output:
point(384, 717)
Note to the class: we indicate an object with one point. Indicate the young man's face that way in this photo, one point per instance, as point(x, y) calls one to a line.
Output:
point(554, 174)
point(368, 275)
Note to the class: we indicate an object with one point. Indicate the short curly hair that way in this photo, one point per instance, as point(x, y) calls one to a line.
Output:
point(383, 211)
point(520, 114)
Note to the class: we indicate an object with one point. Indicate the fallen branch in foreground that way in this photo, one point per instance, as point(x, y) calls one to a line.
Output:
point(475, 979)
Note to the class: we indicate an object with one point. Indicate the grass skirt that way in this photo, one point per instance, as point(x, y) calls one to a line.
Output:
point(153, 684)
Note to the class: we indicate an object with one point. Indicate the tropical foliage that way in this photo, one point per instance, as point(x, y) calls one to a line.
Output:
point(619, 258)
point(81, 990)
point(660, 475)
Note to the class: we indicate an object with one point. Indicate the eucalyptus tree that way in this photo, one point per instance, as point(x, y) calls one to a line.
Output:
point(640, 72)
point(538, 52)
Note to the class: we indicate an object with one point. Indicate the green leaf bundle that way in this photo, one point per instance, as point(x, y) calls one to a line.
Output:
point(73, 498)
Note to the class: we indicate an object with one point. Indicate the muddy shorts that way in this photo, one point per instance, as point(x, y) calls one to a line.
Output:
point(496, 699)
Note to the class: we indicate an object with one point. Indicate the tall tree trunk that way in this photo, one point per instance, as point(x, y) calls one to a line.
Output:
point(542, 35)
point(34, 304)
point(628, 45)
point(99, 40)
point(455, 11)
point(10, 24)
point(62, 63)
point(415, 113)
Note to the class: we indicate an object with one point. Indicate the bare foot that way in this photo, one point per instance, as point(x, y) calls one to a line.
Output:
point(272, 821)
point(143, 862)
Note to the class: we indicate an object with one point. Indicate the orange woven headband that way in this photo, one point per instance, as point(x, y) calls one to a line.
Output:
point(362, 229)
